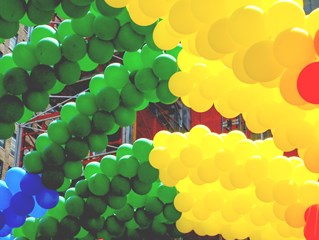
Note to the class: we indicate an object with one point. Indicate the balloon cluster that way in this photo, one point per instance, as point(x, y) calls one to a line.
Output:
point(231, 185)
point(23, 194)
point(119, 197)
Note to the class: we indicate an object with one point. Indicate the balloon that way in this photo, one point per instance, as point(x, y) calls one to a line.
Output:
point(12, 11)
point(67, 72)
point(124, 116)
point(148, 56)
point(164, 36)
point(113, 226)
point(100, 51)
point(37, 211)
point(96, 205)
point(13, 178)
point(47, 198)
point(99, 184)
point(125, 214)
point(146, 173)
point(5, 231)
point(73, 170)
point(53, 156)
point(74, 206)
point(23, 55)
point(145, 80)
point(26, 207)
point(15, 81)
point(105, 28)
point(142, 218)
point(48, 226)
point(8, 29)
point(163, 93)
point(153, 205)
point(48, 51)
point(46, 5)
point(6, 63)
point(91, 168)
point(83, 26)
point(40, 32)
point(68, 112)
point(116, 75)
point(31, 184)
point(6, 196)
point(142, 148)
point(306, 83)
point(14, 220)
point(64, 30)
point(42, 78)
point(108, 166)
point(129, 39)
point(38, 16)
point(116, 202)
point(120, 185)
point(74, 11)
point(108, 99)
point(41, 143)
point(11, 109)
point(102, 121)
point(58, 211)
point(65, 185)
point(73, 47)
point(116, 3)
point(127, 166)
point(98, 142)
point(82, 2)
point(6, 130)
point(57, 88)
point(76, 149)
point(58, 132)
point(97, 83)
point(139, 187)
point(164, 66)
point(52, 179)
point(85, 103)
point(86, 64)
point(104, 8)
point(133, 60)
point(131, 96)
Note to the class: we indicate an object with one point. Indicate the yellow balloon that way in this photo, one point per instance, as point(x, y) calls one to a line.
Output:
point(161, 138)
point(208, 11)
point(239, 178)
point(197, 133)
point(247, 25)
point(228, 213)
point(212, 225)
point(312, 20)
point(285, 192)
point(200, 211)
point(309, 193)
point(232, 138)
point(300, 133)
point(164, 37)
point(279, 210)
point(160, 157)
point(225, 181)
point(177, 170)
point(198, 102)
point(199, 229)
point(180, 84)
point(211, 88)
point(294, 48)
point(207, 171)
point(191, 156)
point(184, 225)
point(176, 143)
point(264, 189)
point(260, 63)
point(154, 8)
point(268, 149)
point(211, 143)
point(194, 177)
point(137, 15)
point(241, 229)
point(280, 168)
point(117, 3)
point(295, 215)
point(223, 106)
point(166, 179)
point(184, 202)
point(283, 229)
point(238, 67)
point(225, 160)
point(242, 203)
point(310, 158)
point(186, 60)
point(245, 149)
point(257, 168)
point(257, 216)
point(213, 200)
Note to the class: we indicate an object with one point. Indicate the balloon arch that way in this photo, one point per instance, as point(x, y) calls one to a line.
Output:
point(257, 58)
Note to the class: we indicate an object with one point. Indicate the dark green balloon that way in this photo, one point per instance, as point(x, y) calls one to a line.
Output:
point(151, 96)
point(145, 80)
point(86, 103)
point(127, 166)
point(105, 28)
point(53, 156)
point(146, 173)
point(142, 148)
point(116, 75)
point(96, 205)
point(150, 42)
point(74, 11)
point(166, 194)
point(124, 116)
point(171, 213)
point(38, 16)
point(68, 227)
point(153, 205)
point(80, 126)
point(58, 132)
point(48, 51)
point(64, 29)
point(48, 226)
point(175, 51)
point(67, 72)
point(42, 78)
point(73, 170)
point(83, 26)
point(15, 81)
point(148, 55)
point(102, 121)
point(140, 187)
point(120, 185)
point(52, 179)
point(125, 214)
point(106, 9)
point(6, 130)
point(94, 225)
point(36, 101)
point(165, 66)
point(108, 165)
point(100, 51)
point(163, 93)
point(8, 29)
point(73, 47)
point(46, 5)
point(32, 162)
point(98, 142)
point(114, 226)
point(142, 218)
point(99, 184)
point(76, 149)
point(74, 206)
point(116, 202)
point(82, 188)
point(131, 96)
point(143, 30)
point(108, 99)
point(11, 109)
point(129, 39)
point(159, 228)
point(82, 2)
point(12, 10)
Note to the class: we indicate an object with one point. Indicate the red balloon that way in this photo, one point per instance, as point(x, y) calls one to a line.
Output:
point(308, 83)
point(311, 229)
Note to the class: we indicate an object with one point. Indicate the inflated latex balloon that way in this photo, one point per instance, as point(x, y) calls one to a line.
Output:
point(108, 99)
point(164, 66)
point(142, 148)
point(6, 195)
point(116, 75)
point(73, 170)
point(15, 81)
point(82, 2)
point(33, 180)
point(86, 103)
point(48, 226)
point(67, 72)
point(74, 205)
point(36, 101)
point(98, 142)
point(131, 96)
point(40, 32)
point(130, 40)
point(307, 83)
point(127, 166)
point(80, 126)
point(48, 51)
point(163, 93)
point(76, 149)
point(52, 179)
point(58, 132)
point(11, 109)
point(42, 78)
point(65, 29)
point(107, 9)
point(120, 185)
point(8, 29)
point(46, 5)
point(6, 63)
point(47, 198)
point(73, 47)
point(57, 88)
point(102, 122)
point(124, 116)
point(133, 60)
point(37, 15)
point(100, 51)
point(13, 178)
point(24, 55)
point(53, 156)
point(86, 64)
point(73, 10)
point(83, 26)
point(145, 80)
point(108, 165)
point(12, 11)
point(99, 184)
point(105, 28)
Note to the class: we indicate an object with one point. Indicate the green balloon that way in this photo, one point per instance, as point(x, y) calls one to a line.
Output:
point(42, 142)
point(171, 213)
point(143, 30)
point(15, 81)
point(68, 227)
point(30, 227)
point(143, 105)
point(6, 63)
point(125, 214)
point(141, 188)
point(148, 56)
point(100, 51)
point(58, 87)
point(48, 226)
point(96, 205)
point(129, 39)
point(82, 233)
point(153, 206)
point(103, 234)
point(136, 200)
point(40, 32)
point(127, 166)
point(27, 115)
point(76, 149)
point(99, 184)
point(8, 29)
point(36, 101)
point(73, 170)
point(53, 156)
point(149, 41)
point(145, 80)
point(114, 226)
point(124, 149)
point(58, 211)
point(46, 5)
point(48, 51)
point(12, 10)
point(164, 66)
point(38, 16)
point(102, 122)
point(124, 17)
point(65, 29)
point(86, 64)
point(159, 228)
point(166, 194)
point(108, 99)
point(25, 20)
point(74, 206)
point(97, 82)
point(82, 2)
point(73, 10)
point(6, 130)
point(42, 78)
point(142, 148)
point(124, 116)
point(108, 166)
point(94, 224)
point(80, 126)
point(32, 162)
point(82, 188)
point(58, 132)
point(66, 184)
point(24, 55)
point(116, 75)
point(83, 26)
point(106, 28)
point(86, 103)
point(91, 168)
point(131, 96)
point(146, 173)
point(73, 47)
point(114, 130)
point(67, 72)
point(11, 109)
point(120, 185)
point(133, 60)
point(53, 178)
point(175, 51)
point(116, 202)
point(106, 9)
point(142, 218)
point(98, 142)
point(68, 112)
point(163, 93)
point(61, 13)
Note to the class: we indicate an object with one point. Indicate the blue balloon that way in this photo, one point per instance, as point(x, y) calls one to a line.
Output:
point(31, 184)
point(37, 211)
point(8, 237)
point(5, 195)
point(22, 203)
point(47, 198)
point(13, 220)
point(2, 219)
point(13, 178)
point(5, 231)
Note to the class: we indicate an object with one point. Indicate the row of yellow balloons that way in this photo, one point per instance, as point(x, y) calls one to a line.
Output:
point(231, 185)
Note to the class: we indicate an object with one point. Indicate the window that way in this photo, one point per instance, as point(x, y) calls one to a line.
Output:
point(13, 42)
point(13, 146)
point(1, 168)
point(2, 143)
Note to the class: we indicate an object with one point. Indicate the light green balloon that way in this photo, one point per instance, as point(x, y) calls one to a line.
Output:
point(116, 75)
point(66, 184)
point(24, 55)
point(148, 56)
point(142, 148)
point(97, 83)
point(124, 149)
point(86, 64)
point(42, 142)
point(86, 103)
point(98, 142)
point(58, 87)
point(6, 63)
point(108, 165)
point(40, 32)
point(133, 60)
point(64, 29)
point(30, 227)
point(48, 51)
point(58, 211)
point(73, 170)
point(32, 162)
point(68, 111)
point(60, 12)
point(84, 25)
point(25, 20)
point(58, 132)
point(27, 115)
point(91, 168)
